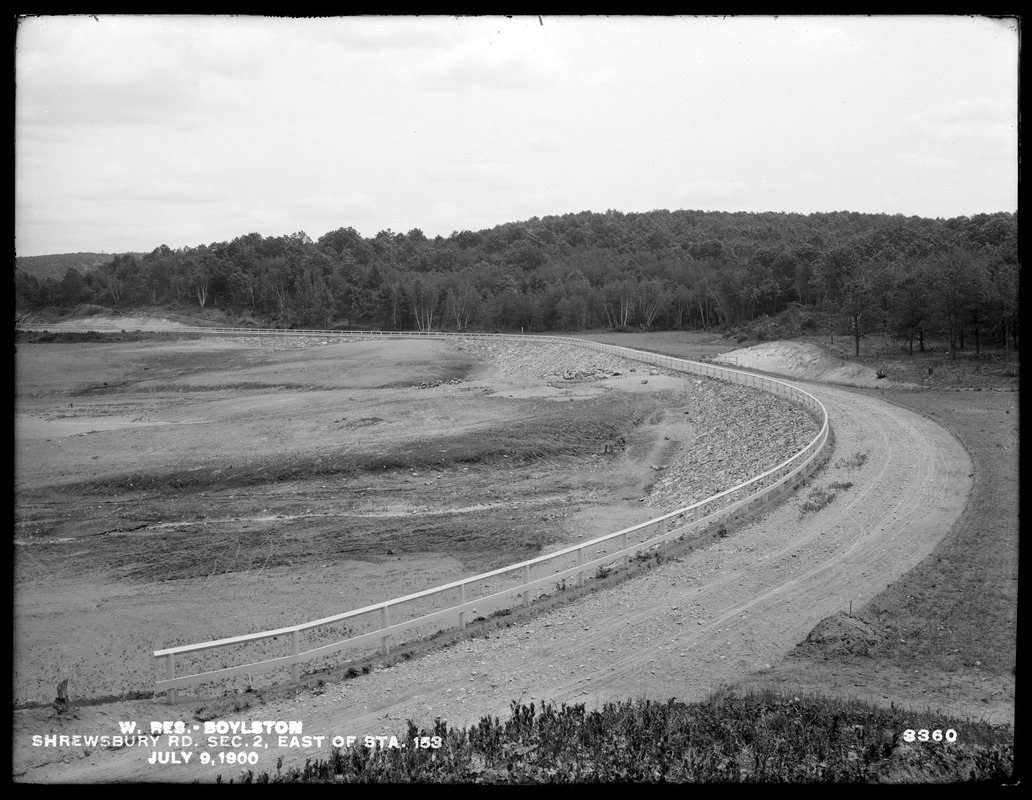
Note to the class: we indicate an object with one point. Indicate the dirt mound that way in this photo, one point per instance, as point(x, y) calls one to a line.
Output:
point(805, 361)
point(104, 319)
point(842, 634)
point(105, 323)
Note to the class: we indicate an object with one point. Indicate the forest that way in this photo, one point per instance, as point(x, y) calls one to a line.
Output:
point(842, 273)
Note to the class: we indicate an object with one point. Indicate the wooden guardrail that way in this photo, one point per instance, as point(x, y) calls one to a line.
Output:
point(466, 596)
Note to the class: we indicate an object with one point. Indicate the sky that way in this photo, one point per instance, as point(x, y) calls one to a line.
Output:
point(137, 131)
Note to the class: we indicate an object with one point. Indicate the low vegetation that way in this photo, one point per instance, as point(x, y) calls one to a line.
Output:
point(853, 462)
point(818, 498)
point(97, 337)
point(821, 496)
point(754, 738)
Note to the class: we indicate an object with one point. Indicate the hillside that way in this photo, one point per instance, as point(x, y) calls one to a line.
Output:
point(55, 266)
point(850, 274)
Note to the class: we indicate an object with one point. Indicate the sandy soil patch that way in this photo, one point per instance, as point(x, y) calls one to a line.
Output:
point(805, 362)
point(102, 323)
point(29, 427)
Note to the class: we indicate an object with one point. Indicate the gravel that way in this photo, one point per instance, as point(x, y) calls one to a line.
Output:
point(740, 432)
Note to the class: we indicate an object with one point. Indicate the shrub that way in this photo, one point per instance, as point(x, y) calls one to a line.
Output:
point(756, 738)
point(818, 498)
point(855, 461)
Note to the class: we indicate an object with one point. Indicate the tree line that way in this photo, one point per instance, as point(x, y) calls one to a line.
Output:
point(855, 274)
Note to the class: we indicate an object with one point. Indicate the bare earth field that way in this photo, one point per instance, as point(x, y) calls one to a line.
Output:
point(169, 492)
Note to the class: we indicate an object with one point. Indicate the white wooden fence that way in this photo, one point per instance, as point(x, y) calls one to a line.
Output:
point(479, 593)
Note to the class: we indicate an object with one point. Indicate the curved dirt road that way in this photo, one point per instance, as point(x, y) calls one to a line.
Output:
point(681, 630)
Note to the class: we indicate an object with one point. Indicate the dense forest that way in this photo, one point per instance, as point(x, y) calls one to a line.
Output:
point(850, 274)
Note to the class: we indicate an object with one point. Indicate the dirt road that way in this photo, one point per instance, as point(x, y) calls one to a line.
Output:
point(681, 630)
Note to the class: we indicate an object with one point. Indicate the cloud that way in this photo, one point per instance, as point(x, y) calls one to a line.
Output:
point(730, 194)
point(815, 34)
point(491, 64)
point(210, 126)
point(540, 141)
point(712, 193)
point(972, 129)
point(447, 215)
point(189, 194)
point(542, 202)
point(493, 173)
point(72, 72)
point(357, 205)
point(975, 119)
point(925, 161)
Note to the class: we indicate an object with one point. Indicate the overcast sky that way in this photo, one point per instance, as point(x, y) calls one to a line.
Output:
point(137, 131)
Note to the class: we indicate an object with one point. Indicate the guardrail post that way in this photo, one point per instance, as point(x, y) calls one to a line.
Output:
point(623, 546)
point(295, 648)
point(385, 641)
point(580, 561)
point(170, 674)
point(526, 580)
point(462, 602)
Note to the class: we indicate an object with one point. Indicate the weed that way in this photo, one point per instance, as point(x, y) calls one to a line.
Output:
point(841, 485)
point(761, 737)
point(722, 532)
point(818, 498)
point(855, 461)
point(603, 571)
point(652, 554)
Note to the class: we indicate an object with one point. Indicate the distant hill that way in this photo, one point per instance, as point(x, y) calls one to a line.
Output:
point(55, 266)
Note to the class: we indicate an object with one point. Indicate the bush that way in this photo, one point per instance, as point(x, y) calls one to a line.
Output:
point(756, 738)
point(855, 461)
point(818, 498)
